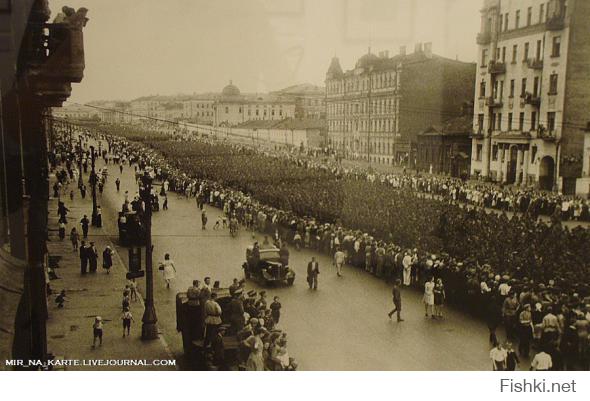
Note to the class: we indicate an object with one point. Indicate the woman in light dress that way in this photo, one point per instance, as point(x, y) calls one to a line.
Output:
point(254, 343)
point(168, 269)
point(429, 297)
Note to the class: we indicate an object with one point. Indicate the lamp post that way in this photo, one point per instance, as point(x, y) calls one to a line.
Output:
point(92, 182)
point(80, 180)
point(149, 329)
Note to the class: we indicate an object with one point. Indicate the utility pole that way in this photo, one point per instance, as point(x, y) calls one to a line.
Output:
point(149, 329)
point(80, 180)
point(369, 124)
point(92, 182)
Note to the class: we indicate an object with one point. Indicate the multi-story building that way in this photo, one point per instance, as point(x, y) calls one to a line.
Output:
point(532, 96)
point(232, 108)
point(199, 109)
point(310, 100)
point(375, 110)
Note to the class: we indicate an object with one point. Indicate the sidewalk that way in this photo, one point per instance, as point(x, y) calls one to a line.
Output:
point(69, 330)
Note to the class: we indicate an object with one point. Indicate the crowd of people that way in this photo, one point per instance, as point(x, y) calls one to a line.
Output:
point(397, 227)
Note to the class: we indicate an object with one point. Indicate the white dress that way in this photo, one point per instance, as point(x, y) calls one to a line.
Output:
point(169, 270)
point(429, 293)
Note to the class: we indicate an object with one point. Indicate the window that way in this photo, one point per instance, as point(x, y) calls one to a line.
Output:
point(556, 49)
point(551, 121)
point(495, 152)
point(480, 118)
point(478, 152)
point(536, 87)
point(553, 84)
point(495, 94)
point(484, 57)
point(493, 122)
point(499, 121)
point(514, 53)
point(506, 22)
point(541, 12)
point(501, 21)
point(523, 88)
point(509, 121)
point(521, 122)
point(482, 89)
point(529, 16)
point(512, 85)
point(504, 54)
point(226, 110)
point(497, 55)
point(517, 21)
point(501, 90)
point(539, 47)
point(526, 51)
point(533, 120)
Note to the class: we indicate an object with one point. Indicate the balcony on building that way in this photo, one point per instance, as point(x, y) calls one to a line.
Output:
point(532, 99)
point(555, 15)
point(497, 67)
point(492, 102)
point(484, 38)
point(535, 64)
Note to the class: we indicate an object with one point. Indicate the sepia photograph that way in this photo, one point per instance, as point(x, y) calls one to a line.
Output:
point(296, 185)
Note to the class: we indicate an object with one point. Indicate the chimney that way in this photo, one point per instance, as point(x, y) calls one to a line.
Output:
point(428, 49)
point(418, 48)
point(402, 50)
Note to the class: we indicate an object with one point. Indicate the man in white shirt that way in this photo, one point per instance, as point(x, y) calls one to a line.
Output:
point(339, 261)
point(498, 356)
point(542, 361)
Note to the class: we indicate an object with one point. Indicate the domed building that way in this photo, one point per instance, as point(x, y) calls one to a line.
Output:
point(232, 107)
point(230, 91)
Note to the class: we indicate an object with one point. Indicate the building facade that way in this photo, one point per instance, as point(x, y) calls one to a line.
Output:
point(232, 107)
point(310, 100)
point(532, 93)
point(446, 149)
point(375, 110)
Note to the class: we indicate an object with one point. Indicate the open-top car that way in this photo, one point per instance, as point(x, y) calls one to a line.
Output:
point(267, 267)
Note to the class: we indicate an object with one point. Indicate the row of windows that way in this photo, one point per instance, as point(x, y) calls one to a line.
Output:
point(500, 53)
point(498, 89)
point(380, 125)
point(378, 106)
point(201, 105)
point(542, 15)
point(377, 81)
point(524, 124)
point(257, 112)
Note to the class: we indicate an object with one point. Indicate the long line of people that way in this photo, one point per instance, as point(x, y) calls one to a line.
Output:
point(483, 258)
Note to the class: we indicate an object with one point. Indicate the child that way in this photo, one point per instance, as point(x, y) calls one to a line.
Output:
point(97, 329)
point(62, 230)
point(126, 317)
point(60, 299)
point(132, 289)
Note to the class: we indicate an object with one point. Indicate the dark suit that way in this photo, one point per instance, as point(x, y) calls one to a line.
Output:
point(313, 269)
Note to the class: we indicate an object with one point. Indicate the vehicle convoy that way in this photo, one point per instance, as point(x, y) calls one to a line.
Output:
point(265, 266)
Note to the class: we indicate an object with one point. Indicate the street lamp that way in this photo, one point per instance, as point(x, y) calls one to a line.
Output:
point(92, 181)
point(149, 329)
point(80, 180)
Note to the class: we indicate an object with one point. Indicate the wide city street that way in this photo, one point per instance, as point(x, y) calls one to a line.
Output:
point(341, 326)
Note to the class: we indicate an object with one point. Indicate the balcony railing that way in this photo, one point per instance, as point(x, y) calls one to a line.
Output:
point(484, 38)
point(497, 67)
point(491, 102)
point(535, 64)
point(532, 99)
point(555, 23)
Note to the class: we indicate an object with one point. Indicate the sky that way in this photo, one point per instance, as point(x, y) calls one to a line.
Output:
point(153, 47)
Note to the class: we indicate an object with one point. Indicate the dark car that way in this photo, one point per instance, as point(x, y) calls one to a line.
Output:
point(267, 269)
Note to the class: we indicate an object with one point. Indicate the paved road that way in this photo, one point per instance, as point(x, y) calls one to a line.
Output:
point(342, 326)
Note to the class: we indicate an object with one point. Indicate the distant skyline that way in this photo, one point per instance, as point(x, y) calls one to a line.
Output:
point(139, 48)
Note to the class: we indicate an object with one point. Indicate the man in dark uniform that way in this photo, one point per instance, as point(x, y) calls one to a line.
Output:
point(236, 308)
point(397, 300)
point(83, 258)
point(313, 269)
